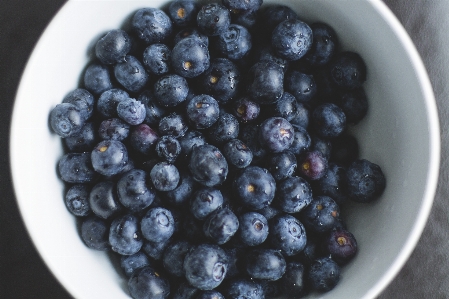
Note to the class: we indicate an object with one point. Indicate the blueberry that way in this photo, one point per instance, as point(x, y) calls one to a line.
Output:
point(324, 45)
point(190, 57)
point(173, 257)
point(333, 184)
point(97, 78)
point(354, 104)
point(131, 74)
point(133, 191)
point(104, 201)
point(276, 134)
point(157, 225)
point(250, 136)
point(131, 263)
point(213, 19)
point(266, 53)
point(208, 165)
point(312, 165)
point(293, 283)
point(253, 228)
point(76, 168)
point(221, 80)
point(202, 111)
point(265, 82)
point(83, 100)
point(275, 14)
point(221, 225)
point(323, 275)
point(156, 59)
point(109, 157)
point(155, 250)
point(246, 6)
point(131, 111)
point(183, 12)
point(143, 138)
point(321, 215)
point(293, 194)
point(243, 288)
point(204, 201)
point(328, 120)
point(168, 148)
point(341, 245)
point(205, 266)
point(181, 195)
point(237, 153)
point(108, 101)
point(171, 90)
point(234, 43)
point(268, 264)
point(286, 107)
point(154, 111)
point(173, 124)
point(113, 129)
point(345, 149)
point(94, 233)
point(124, 235)
point(321, 145)
point(113, 46)
point(287, 234)
point(146, 283)
point(366, 181)
point(301, 86)
point(224, 129)
point(210, 295)
point(66, 120)
point(247, 19)
point(245, 110)
point(254, 187)
point(165, 176)
point(348, 70)
point(185, 291)
point(291, 39)
point(77, 200)
point(281, 165)
point(302, 117)
point(301, 141)
point(191, 32)
point(151, 25)
point(191, 139)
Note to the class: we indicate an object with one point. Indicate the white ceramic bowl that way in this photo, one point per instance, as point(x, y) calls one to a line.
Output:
point(400, 133)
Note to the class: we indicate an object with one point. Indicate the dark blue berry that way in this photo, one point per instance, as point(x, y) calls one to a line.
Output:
point(234, 43)
point(324, 45)
point(165, 176)
point(213, 19)
point(245, 110)
point(113, 46)
point(253, 228)
point(183, 12)
point(190, 57)
point(113, 129)
point(133, 191)
point(185, 291)
point(328, 120)
point(237, 153)
point(281, 165)
point(157, 225)
point(155, 250)
point(104, 201)
point(266, 53)
point(254, 187)
point(205, 201)
point(365, 180)
point(148, 283)
point(154, 111)
point(131, 263)
point(321, 215)
point(205, 266)
point(168, 148)
point(97, 78)
point(321, 145)
point(173, 124)
point(208, 165)
point(191, 32)
point(77, 200)
point(173, 257)
point(312, 165)
point(301, 141)
point(224, 129)
point(348, 70)
point(143, 138)
point(250, 136)
point(181, 195)
point(293, 283)
point(323, 275)
point(83, 100)
point(276, 134)
point(265, 82)
point(202, 111)
point(354, 104)
point(156, 59)
point(131, 74)
point(94, 232)
point(189, 141)
point(267, 264)
point(124, 235)
point(301, 86)
point(293, 194)
point(341, 245)
point(66, 120)
point(108, 101)
point(333, 184)
point(221, 225)
point(151, 25)
point(243, 288)
point(291, 39)
point(286, 107)
point(275, 14)
point(246, 6)
point(76, 168)
point(269, 212)
point(287, 234)
point(109, 157)
point(171, 90)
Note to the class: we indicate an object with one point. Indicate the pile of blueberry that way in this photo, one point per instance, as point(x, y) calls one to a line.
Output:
point(208, 149)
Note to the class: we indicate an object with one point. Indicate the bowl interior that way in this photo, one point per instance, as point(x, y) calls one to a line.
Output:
point(400, 134)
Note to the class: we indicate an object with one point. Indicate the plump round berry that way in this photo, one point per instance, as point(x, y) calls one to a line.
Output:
point(281, 165)
point(156, 59)
point(265, 82)
point(293, 194)
point(181, 195)
point(66, 120)
point(243, 288)
point(131, 111)
point(183, 12)
point(287, 234)
point(237, 153)
point(171, 90)
point(221, 225)
point(366, 181)
point(312, 165)
point(324, 45)
point(266, 53)
point(253, 228)
point(208, 165)
point(254, 187)
point(341, 245)
point(301, 141)
point(108, 101)
point(205, 266)
point(148, 283)
point(173, 257)
point(235, 42)
point(155, 250)
point(113, 129)
point(202, 111)
point(323, 274)
point(97, 78)
point(321, 215)
point(76, 168)
point(191, 32)
point(143, 138)
point(291, 39)
point(276, 134)
point(190, 57)
point(83, 100)
point(109, 157)
point(124, 235)
point(77, 200)
point(354, 104)
point(165, 176)
point(173, 124)
point(267, 264)
point(168, 148)
point(94, 233)
point(205, 201)
point(113, 46)
point(328, 120)
point(151, 25)
point(133, 191)
point(213, 19)
point(245, 110)
point(104, 201)
point(157, 225)
point(250, 136)
point(301, 86)
point(154, 111)
point(131, 263)
point(131, 74)
point(191, 139)
point(224, 129)
point(333, 184)
point(275, 14)
point(348, 70)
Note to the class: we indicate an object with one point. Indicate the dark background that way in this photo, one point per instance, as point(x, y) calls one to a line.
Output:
point(22, 272)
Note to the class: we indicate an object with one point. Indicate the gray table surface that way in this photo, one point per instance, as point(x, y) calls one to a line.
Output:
point(24, 275)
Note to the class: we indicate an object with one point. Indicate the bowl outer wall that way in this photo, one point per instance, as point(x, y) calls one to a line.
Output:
point(400, 133)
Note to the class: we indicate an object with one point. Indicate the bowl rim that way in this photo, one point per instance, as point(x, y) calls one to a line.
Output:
point(434, 149)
